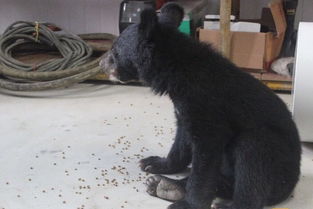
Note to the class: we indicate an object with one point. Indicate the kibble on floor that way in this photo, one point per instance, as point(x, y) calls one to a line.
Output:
point(79, 148)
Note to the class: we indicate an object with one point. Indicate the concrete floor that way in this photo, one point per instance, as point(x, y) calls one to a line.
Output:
point(79, 148)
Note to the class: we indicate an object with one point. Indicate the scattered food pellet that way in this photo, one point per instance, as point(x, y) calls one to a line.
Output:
point(115, 174)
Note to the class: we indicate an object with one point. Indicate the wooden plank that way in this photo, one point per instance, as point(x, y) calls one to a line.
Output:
point(275, 77)
point(278, 86)
point(225, 12)
point(274, 81)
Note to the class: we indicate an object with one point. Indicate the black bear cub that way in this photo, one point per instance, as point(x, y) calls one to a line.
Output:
point(237, 134)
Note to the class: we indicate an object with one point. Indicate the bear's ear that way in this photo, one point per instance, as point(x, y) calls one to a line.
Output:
point(148, 22)
point(171, 14)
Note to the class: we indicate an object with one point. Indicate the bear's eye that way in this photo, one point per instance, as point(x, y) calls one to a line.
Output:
point(111, 60)
point(114, 53)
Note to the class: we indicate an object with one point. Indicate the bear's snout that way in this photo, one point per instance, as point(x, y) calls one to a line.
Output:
point(108, 66)
point(107, 63)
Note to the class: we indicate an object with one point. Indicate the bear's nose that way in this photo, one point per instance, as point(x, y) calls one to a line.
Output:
point(107, 63)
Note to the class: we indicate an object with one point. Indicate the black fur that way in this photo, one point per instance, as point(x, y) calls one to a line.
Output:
point(238, 135)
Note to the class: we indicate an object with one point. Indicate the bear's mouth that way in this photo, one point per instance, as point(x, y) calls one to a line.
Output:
point(109, 67)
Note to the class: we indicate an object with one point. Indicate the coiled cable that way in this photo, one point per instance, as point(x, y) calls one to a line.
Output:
point(74, 65)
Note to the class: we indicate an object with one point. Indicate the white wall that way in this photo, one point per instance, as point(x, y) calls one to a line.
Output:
point(77, 16)
point(304, 11)
point(86, 16)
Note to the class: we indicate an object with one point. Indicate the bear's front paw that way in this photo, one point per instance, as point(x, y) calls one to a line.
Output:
point(165, 188)
point(154, 164)
point(182, 204)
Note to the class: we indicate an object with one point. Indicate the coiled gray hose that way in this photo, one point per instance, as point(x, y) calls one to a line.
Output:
point(74, 66)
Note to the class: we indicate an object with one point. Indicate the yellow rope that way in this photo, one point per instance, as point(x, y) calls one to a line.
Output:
point(37, 30)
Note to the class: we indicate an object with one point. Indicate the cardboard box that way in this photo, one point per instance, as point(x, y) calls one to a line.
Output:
point(234, 26)
point(253, 50)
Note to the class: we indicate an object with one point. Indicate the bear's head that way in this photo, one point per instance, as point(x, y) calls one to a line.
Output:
point(132, 52)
